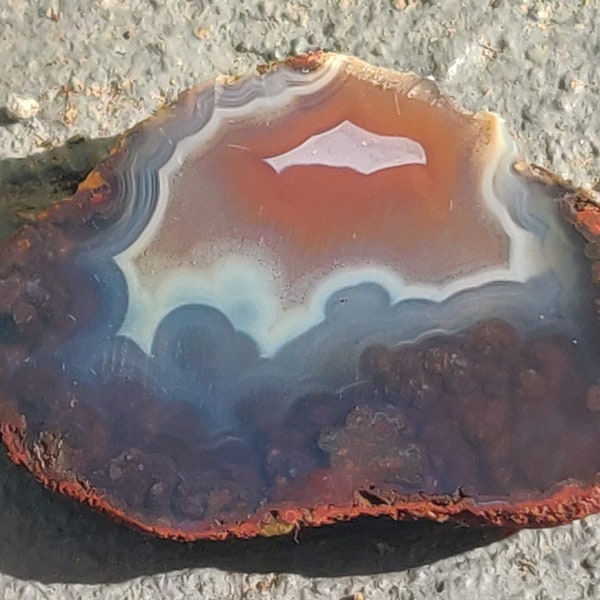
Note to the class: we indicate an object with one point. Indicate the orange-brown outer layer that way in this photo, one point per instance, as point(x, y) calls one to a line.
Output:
point(565, 505)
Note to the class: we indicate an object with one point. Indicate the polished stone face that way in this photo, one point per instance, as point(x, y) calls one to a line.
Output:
point(291, 289)
point(322, 182)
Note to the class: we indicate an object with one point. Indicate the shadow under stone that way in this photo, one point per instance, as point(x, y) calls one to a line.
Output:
point(6, 118)
point(30, 184)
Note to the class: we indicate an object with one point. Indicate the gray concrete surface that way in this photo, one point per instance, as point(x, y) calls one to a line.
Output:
point(96, 67)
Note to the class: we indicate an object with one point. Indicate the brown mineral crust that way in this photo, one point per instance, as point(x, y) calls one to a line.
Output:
point(211, 496)
point(84, 434)
point(491, 393)
point(169, 444)
point(562, 445)
point(307, 62)
point(566, 504)
point(40, 302)
point(138, 415)
point(289, 454)
point(143, 482)
point(374, 444)
point(453, 460)
point(581, 208)
point(558, 456)
point(293, 447)
point(40, 393)
point(56, 411)
point(584, 212)
point(288, 440)
point(487, 425)
point(31, 300)
point(229, 473)
point(494, 339)
point(189, 499)
point(451, 365)
point(552, 375)
point(402, 371)
point(317, 410)
point(224, 470)
point(592, 398)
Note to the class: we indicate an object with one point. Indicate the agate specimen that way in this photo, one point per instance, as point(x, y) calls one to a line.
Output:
point(315, 292)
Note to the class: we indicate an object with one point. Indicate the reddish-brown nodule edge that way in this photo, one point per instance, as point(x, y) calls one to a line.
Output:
point(307, 62)
point(569, 503)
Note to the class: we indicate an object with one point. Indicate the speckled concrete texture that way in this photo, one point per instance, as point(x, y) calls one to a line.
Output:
point(95, 68)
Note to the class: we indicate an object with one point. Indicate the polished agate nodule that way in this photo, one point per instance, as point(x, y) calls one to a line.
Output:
point(314, 292)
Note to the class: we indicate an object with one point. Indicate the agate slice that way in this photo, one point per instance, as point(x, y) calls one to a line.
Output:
point(315, 292)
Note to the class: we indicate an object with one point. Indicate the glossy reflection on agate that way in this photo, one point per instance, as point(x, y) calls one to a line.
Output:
point(303, 295)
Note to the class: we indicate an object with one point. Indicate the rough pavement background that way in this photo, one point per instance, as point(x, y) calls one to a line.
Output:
point(96, 67)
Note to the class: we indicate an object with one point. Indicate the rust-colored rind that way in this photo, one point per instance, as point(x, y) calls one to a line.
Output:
point(571, 502)
point(304, 295)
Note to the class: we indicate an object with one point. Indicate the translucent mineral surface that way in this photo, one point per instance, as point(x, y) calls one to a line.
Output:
point(321, 288)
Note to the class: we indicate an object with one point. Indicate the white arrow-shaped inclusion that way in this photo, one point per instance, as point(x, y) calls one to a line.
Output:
point(350, 146)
